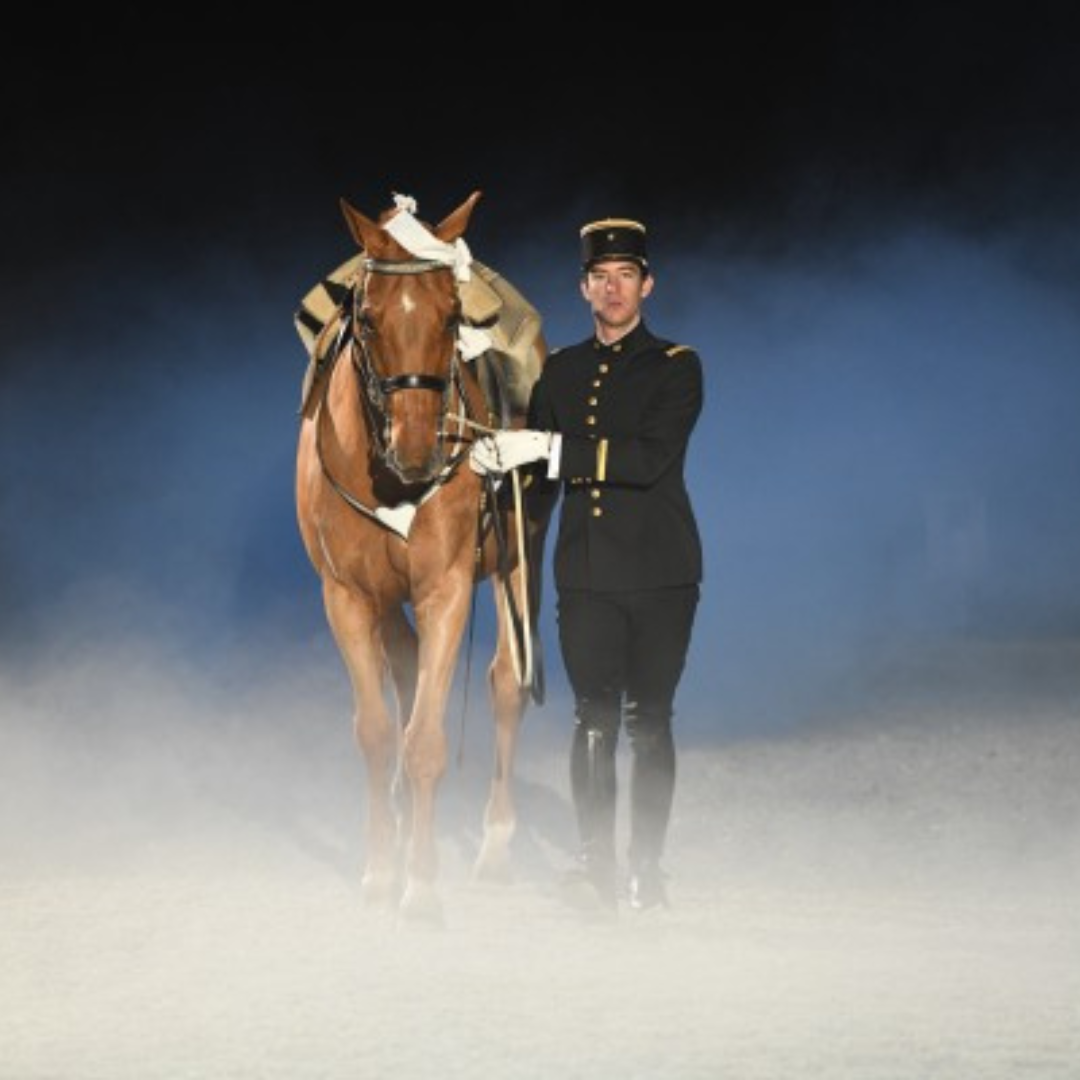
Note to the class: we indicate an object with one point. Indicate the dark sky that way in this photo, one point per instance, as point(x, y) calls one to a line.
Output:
point(865, 219)
point(774, 124)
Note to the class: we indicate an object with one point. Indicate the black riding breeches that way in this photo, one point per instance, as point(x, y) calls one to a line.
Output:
point(626, 647)
point(624, 654)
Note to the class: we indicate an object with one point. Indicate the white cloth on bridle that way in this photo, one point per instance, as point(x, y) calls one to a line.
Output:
point(418, 240)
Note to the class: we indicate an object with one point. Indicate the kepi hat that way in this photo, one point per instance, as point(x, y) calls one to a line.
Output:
point(614, 239)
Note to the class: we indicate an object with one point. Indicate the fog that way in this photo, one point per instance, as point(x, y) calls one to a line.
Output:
point(890, 894)
point(874, 852)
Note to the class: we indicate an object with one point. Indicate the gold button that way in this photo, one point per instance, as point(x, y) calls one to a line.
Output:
point(593, 401)
point(595, 493)
point(617, 348)
point(597, 511)
point(595, 382)
point(604, 369)
point(590, 420)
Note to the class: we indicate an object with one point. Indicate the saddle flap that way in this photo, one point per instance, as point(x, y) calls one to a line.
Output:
point(480, 303)
point(487, 299)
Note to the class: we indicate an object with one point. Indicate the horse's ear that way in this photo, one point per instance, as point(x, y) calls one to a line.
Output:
point(455, 224)
point(367, 233)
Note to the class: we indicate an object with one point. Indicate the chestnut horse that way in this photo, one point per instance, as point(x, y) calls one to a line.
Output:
point(398, 528)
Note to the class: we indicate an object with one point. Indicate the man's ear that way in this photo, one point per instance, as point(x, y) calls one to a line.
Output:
point(583, 285)
point(646, 286)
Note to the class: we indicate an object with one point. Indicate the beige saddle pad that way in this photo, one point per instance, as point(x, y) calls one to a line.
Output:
point(488, 300)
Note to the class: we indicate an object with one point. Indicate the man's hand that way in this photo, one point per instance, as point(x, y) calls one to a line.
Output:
point(506, 450)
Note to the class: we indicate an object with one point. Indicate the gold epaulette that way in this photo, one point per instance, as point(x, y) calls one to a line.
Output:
point(674, 350)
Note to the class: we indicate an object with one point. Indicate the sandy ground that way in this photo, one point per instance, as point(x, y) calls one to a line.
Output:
point(888, 896)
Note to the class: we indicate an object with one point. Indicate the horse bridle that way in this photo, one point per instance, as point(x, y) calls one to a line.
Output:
point(376, 388)
point(379, 388)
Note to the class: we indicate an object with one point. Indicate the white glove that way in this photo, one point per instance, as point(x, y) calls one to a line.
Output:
point(506, 450)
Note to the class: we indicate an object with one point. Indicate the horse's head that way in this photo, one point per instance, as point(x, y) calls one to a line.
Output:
point(406, 317)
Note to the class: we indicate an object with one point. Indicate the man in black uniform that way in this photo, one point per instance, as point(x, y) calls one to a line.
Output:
point(610, 420)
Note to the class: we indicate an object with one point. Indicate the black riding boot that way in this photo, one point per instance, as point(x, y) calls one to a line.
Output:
point(652, 789)
point(594, 787)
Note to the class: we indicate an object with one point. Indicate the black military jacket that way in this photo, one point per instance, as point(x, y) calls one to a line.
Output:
point(625, 412)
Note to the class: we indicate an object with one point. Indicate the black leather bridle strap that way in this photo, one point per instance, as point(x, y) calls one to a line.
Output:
point(412, 382)
point(403, 266)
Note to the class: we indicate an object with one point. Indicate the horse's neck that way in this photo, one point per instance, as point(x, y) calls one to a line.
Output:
point(477, 407)
point(347, 402)
point(348, 435)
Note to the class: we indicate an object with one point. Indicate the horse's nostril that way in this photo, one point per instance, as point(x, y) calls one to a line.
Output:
point(416, 472)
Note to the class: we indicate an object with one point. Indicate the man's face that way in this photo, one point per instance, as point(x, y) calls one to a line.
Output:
point(614, 291)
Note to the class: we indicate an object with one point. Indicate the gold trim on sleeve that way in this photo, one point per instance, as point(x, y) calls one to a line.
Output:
point(601, 460)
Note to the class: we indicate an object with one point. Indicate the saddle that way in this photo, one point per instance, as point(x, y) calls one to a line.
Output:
point(488, 300)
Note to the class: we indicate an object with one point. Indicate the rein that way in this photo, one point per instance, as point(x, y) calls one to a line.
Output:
point(527, 666)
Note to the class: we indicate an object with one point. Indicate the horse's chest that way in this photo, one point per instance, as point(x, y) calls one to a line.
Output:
point(363, 556)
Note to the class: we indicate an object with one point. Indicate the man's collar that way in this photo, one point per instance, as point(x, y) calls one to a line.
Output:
point(629, 343)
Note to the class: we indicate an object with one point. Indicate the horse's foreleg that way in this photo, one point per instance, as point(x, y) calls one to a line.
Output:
point(356, 631)
point(508, 701)
point(440, 622)
point(401, 652)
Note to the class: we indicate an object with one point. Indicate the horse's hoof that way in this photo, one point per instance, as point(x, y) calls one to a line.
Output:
point(421, 906)
point(493, 861)
point(378, 891)
point(493, 866)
